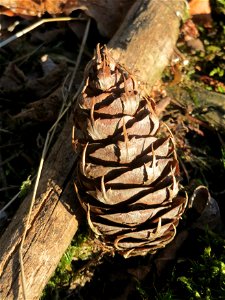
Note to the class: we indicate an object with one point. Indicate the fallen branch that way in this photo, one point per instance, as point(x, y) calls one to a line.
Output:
point(144, 44)
point(207, 106)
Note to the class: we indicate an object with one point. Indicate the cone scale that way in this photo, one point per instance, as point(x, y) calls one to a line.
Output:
point(126, 175)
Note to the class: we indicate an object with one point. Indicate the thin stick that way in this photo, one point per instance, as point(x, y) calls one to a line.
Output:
point(8, 188)
point(80, 52)
point(62, 112)
point(9, 203)
point(14, 197)
point(44, 152)
point(35, 25)
point(10, 158)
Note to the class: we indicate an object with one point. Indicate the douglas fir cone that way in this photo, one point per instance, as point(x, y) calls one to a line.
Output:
point(126, 175)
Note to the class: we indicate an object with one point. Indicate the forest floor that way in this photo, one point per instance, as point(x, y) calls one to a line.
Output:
point(33, 74)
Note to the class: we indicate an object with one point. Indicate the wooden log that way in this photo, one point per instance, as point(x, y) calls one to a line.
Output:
point(144, 44)
point(145, 47)
point(208, 106)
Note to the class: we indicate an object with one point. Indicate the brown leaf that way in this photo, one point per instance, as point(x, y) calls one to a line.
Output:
point(14, 83)
point(169, 254)
point(43, 110)
point(207, 208)
point(201, 12)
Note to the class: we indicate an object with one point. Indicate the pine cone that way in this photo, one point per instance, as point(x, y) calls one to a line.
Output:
point(126, 177)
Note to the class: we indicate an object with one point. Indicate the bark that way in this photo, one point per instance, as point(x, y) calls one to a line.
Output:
point(144, 44)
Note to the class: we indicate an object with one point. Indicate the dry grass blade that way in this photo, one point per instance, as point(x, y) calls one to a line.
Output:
point(48, 140)
point(35, 25)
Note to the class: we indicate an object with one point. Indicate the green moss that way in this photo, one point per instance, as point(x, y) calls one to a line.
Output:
point(189, 285)
point(223, 157)
point(25, 187)
point(168, 295)
point(202, 277)
point(193, 96)
point(141, 291)
point(208, 66)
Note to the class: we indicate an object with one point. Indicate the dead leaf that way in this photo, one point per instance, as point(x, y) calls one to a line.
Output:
point(15, 85)
point(169, 254)
point(191, 36)
point(200, 10)
point(43, 110)
point(206, 207)
point(140, 272)
point(198, 7)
